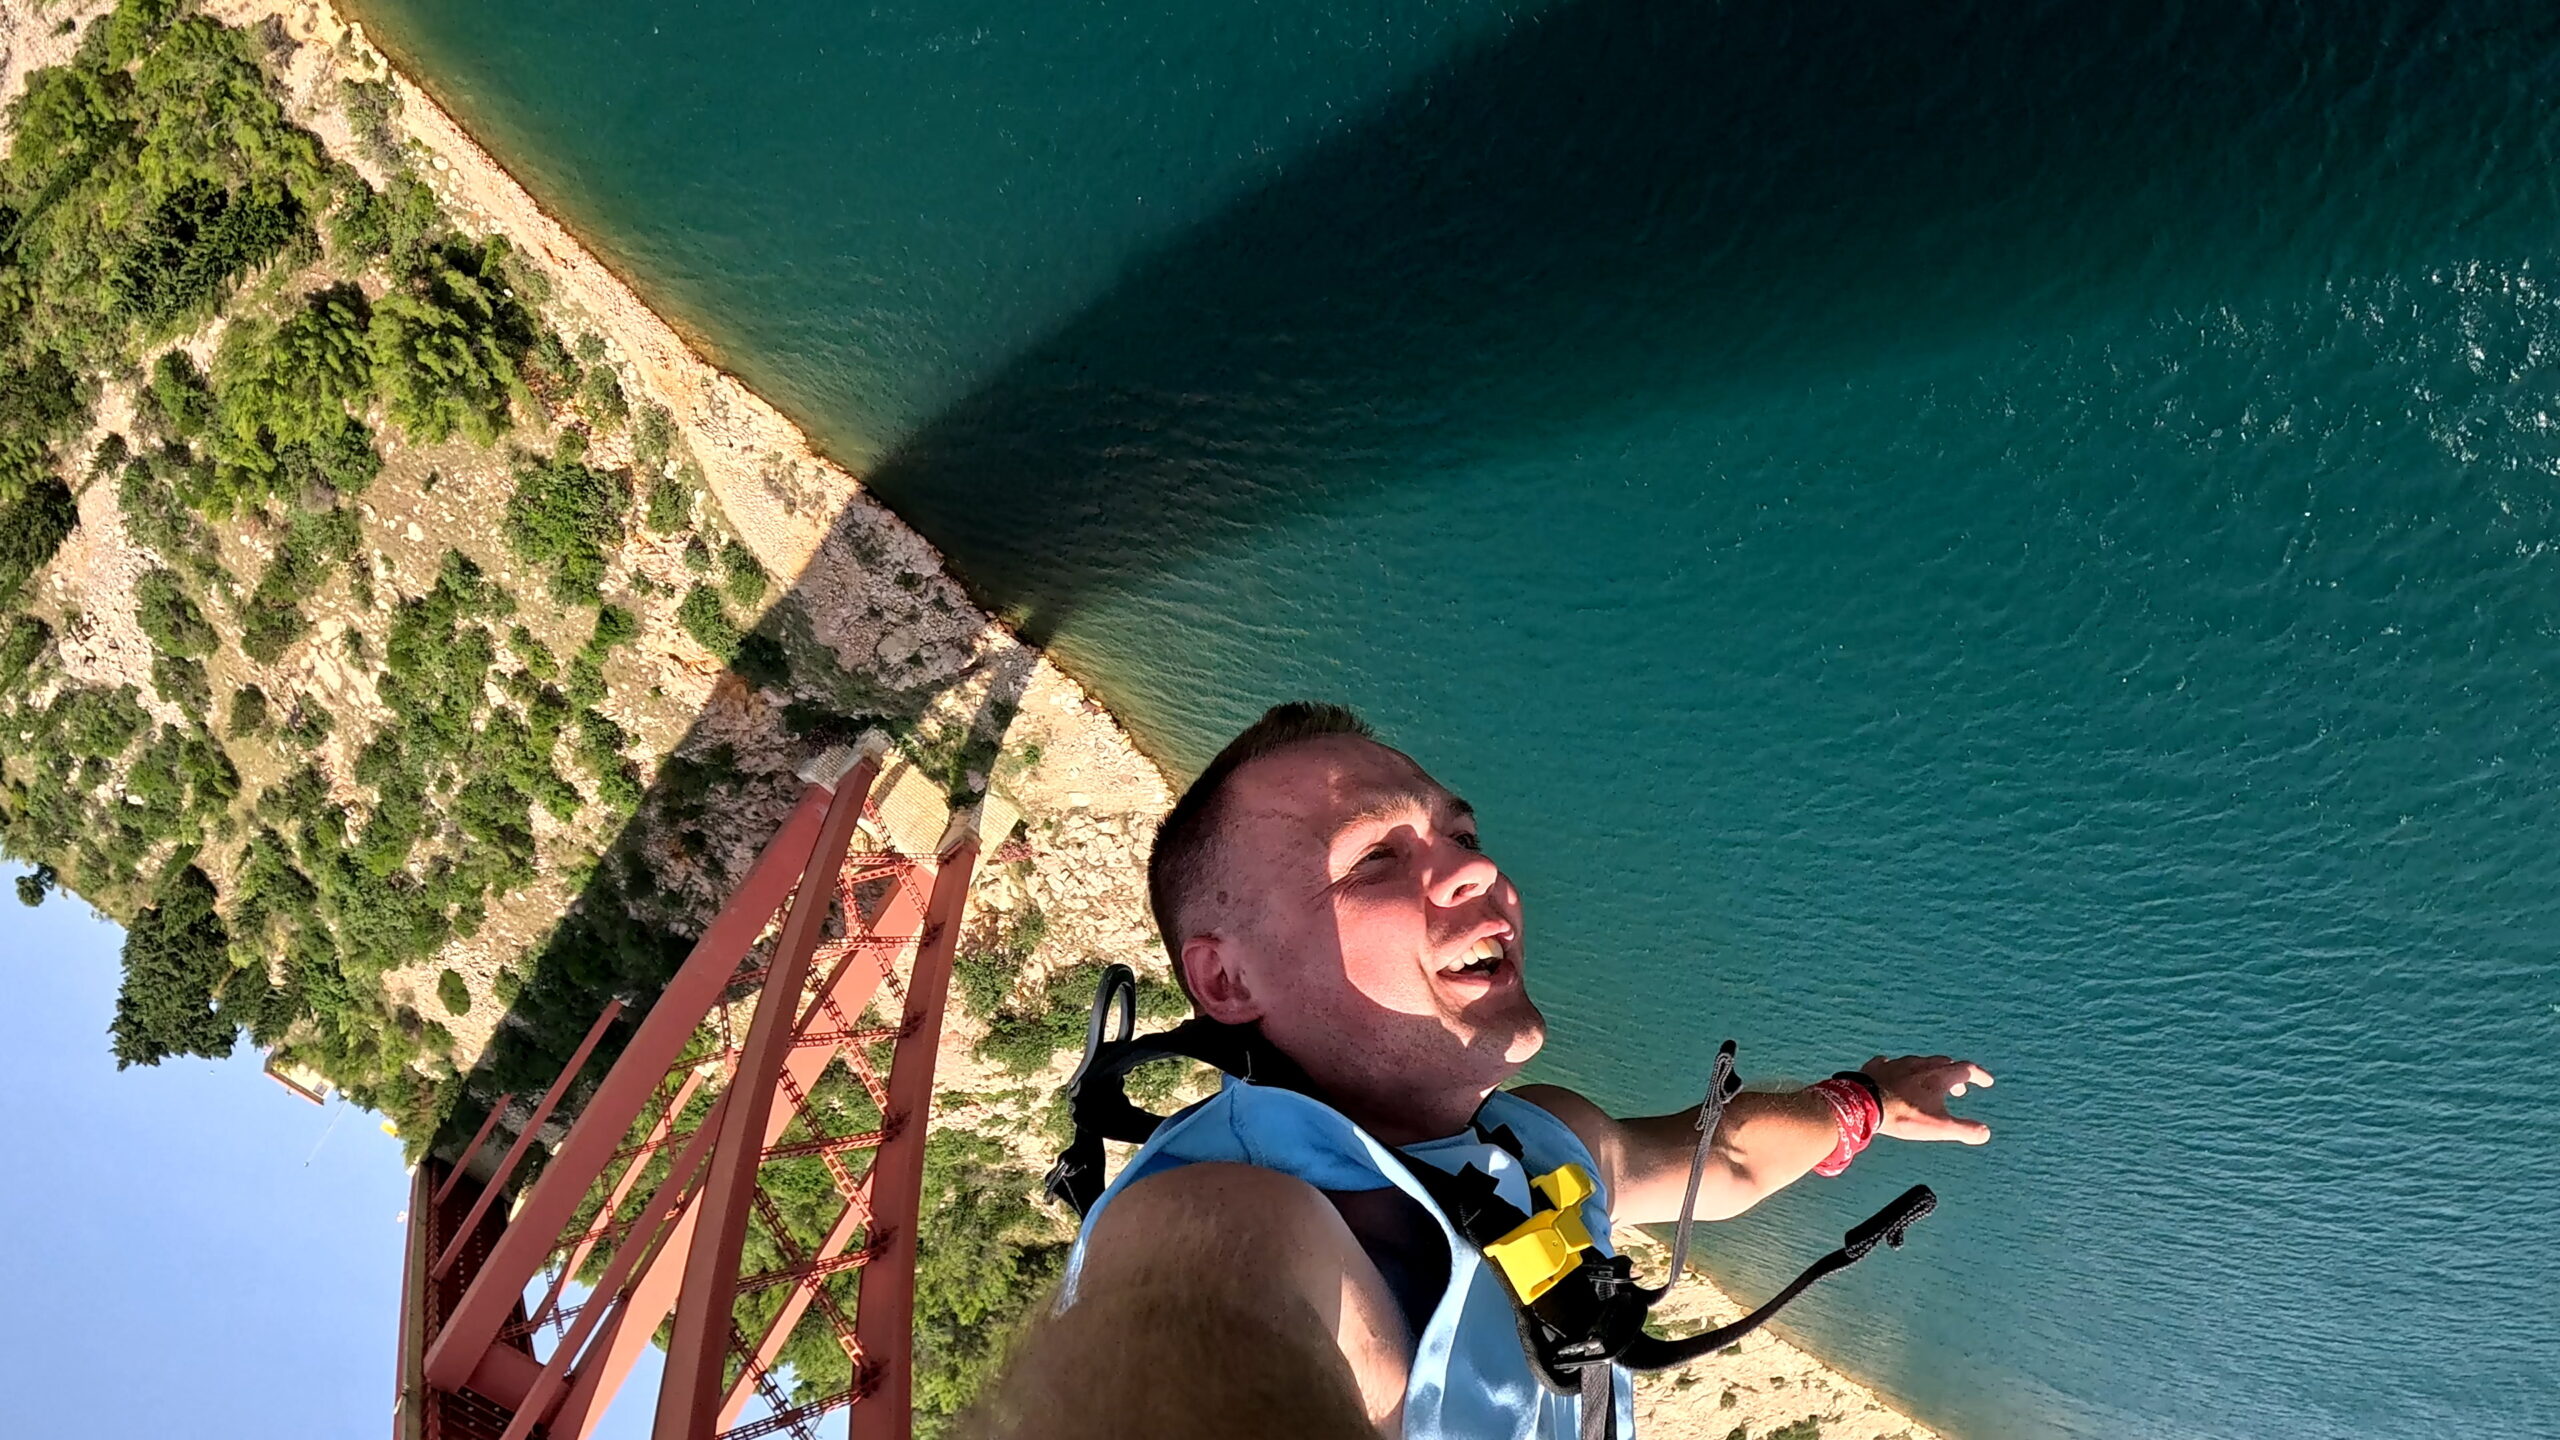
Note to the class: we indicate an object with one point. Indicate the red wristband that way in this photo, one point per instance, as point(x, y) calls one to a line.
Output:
point(1859, 1117)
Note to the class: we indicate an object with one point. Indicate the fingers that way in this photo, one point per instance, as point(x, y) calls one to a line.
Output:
point(1924, 1084)
point(1957, 1075)
point(1950, 1127)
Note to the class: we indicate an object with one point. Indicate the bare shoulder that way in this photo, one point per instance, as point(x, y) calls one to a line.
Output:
point(1599, 1132)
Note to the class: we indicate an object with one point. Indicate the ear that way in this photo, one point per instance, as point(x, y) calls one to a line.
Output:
point(1215, 968)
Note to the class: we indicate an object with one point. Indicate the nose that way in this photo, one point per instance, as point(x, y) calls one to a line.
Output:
point(1459, 874)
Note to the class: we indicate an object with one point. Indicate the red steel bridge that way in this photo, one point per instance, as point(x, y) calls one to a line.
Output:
point(524, 1309)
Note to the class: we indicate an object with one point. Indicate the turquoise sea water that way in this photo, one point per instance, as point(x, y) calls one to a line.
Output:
point(2026, 529)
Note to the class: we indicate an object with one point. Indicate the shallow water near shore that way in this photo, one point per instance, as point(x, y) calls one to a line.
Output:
point(2003, 528)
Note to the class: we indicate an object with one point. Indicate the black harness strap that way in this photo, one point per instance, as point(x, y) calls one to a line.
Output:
point(1887, 1226)
point(1099, 1106)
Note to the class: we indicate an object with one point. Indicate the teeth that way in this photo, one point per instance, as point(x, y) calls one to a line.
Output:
point(1487, 948)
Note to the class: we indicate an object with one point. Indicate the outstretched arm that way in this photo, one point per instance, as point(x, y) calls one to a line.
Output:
point(1215, 1300)
point(1767, 1141)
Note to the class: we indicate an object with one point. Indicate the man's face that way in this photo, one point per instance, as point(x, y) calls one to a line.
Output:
point(1364, 925)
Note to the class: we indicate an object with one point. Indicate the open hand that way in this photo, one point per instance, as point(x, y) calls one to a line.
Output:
point(1916, 1090)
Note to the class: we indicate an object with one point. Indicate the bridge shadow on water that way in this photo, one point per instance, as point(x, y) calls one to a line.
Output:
point(1612, 204)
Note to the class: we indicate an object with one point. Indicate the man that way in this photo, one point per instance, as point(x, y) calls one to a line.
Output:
point(1263, 1266)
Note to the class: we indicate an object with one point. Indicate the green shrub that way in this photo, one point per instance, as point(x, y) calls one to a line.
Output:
point(566, 518)
point(158, 520)
point(454, 991)
point(194, 247)
point(371, 106)
point(533, 654)
point(24, 640)
point(758, 659)
point(746, 577)
point(670, 503)
point(762, 662)
point(269, 628)
point(615, 626)
point(313, 543)
point(600, 398)
point(987, 969)
point(703, 617)
point(309, 724)
point(550, 368)
point(182, 683)
point(653, 439)
point(584, 684)
point(134, 26)
point(249, 714)
point(180, 397)
point(140, 196)
point(297, 380)
point(95, 722)
point(170, 618)
point(396, 223)
point(599, 747)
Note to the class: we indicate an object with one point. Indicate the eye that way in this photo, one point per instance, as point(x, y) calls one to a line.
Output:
point(1469, 840)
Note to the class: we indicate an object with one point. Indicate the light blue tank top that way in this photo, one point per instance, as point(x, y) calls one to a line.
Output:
point(1472, 1378)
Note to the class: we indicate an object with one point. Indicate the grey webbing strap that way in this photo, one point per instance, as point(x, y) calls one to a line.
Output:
point(1720, 1088)
point(1599, 1402)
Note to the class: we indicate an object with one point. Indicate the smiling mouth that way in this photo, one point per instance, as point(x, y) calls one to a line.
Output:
point(1484, 959)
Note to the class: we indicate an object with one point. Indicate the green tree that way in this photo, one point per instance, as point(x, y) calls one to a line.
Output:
point(35, 885)
point(454, 991)
point(26, 638)
point(983, 1256)
point(176, 961)
point(31, 529)
point(445, 348)
point(39, 408)
point(284, 394)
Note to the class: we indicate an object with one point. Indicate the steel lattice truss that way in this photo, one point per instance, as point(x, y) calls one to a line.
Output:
point(711, 1171)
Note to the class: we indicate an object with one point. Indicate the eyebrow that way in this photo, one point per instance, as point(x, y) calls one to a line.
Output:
point(1397, 802)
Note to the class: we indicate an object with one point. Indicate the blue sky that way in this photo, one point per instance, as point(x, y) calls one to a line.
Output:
point(185, 1249)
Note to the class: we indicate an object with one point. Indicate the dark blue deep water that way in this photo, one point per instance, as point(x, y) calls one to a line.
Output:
point(2020, 528)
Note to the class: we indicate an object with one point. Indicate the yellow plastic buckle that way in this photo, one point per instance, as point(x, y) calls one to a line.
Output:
point(1566, 1186)
point(1546, 1247)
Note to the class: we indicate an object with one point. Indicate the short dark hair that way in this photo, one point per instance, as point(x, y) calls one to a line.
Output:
point(1185, 855)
